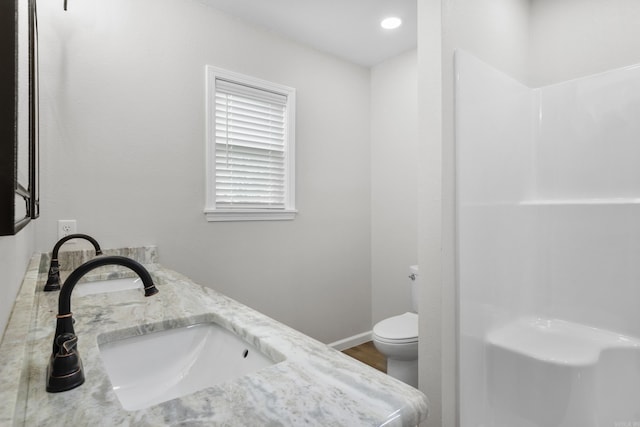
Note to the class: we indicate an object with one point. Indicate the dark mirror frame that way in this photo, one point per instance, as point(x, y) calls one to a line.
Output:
point(10, 190)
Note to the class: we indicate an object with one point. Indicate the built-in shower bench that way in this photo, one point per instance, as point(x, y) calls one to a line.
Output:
point(554, 372)
point(558, 341)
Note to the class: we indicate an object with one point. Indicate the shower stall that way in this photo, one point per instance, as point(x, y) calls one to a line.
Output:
point(548, 239)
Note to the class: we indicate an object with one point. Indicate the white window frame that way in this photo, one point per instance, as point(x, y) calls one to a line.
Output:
point(214, 213)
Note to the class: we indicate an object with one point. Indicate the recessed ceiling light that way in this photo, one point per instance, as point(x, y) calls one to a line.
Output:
point(391, 23)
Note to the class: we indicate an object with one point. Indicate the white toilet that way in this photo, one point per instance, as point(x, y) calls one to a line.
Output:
point(397, 338)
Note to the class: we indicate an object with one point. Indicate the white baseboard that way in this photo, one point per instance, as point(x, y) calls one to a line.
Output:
point(351, 341)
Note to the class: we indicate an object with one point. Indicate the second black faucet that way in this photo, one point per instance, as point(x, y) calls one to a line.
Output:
point(53, 280)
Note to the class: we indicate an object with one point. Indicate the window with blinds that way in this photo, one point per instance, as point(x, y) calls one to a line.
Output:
point(250, 148)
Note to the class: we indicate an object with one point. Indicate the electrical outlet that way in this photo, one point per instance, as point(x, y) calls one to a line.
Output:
point(66, 227)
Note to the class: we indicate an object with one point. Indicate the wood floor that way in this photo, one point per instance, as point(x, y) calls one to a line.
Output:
point(367, 353)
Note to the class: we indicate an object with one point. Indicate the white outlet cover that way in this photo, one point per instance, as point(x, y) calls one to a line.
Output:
point(66, 227)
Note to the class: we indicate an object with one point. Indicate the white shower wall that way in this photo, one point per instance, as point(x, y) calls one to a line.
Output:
point(494, 173)
point(587, 147)
point(587, 199)
point(548, 201)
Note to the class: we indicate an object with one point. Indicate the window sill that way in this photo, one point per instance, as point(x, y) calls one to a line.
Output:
point(213, 215)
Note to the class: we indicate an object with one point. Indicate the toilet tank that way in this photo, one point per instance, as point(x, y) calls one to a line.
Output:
point(416, 283)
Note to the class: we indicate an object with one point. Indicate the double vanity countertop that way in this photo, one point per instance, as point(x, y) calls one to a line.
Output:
point(314, 385)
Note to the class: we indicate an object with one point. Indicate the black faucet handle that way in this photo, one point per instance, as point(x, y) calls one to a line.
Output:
point(67, 343)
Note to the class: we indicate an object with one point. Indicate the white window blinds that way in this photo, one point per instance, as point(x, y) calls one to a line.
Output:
point(250, 164)
point(250, 147)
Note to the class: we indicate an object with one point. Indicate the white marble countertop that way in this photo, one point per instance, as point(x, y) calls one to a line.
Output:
point(314, 386)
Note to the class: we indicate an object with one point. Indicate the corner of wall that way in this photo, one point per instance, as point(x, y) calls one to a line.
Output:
point(15, 252)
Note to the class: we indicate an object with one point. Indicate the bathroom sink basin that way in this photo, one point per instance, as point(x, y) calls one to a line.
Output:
point(101, 286)
point(156, 367)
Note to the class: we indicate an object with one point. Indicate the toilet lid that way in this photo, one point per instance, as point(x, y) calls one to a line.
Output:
point(401, 328)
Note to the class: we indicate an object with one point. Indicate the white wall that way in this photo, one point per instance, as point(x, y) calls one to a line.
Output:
point(15, 253)
point(394, 183)
point(575, 38)
point(123, 153)
point(496, 31)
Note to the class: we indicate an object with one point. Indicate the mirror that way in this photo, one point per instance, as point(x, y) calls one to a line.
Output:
point(19, 120)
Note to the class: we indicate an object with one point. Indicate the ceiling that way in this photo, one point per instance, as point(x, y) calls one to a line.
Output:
point(349, 29)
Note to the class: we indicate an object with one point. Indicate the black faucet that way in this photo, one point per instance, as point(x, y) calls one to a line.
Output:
point(53, 281)
point(65, 367)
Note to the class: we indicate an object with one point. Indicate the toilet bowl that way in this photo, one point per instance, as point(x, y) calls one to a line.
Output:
point(397, 339)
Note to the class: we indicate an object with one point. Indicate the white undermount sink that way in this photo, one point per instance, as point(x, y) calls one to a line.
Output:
point(156, 367)
point(102, 286)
